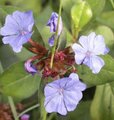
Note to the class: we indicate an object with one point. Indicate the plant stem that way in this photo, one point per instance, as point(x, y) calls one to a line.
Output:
point(13, 109)
point(29, 109)
point(57, 37)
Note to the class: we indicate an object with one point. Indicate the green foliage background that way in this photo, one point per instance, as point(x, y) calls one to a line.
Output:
point(98, 100)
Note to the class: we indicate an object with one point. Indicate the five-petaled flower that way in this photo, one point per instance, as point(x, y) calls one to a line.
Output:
point(64, 94)
point(53, 24)
point(86, 53)
point(17, 29)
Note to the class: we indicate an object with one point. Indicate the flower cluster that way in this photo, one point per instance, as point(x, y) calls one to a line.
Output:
point(64, 93)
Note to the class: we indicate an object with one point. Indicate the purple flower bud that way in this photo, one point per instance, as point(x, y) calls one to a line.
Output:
point(64, 94)
point(88, 50)
point(25, 117)
point(30, 68)
point(53, 21)
point(51, 40)
point(17, 29)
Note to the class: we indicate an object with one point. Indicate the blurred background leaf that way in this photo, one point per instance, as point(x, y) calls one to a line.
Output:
point(81, 14)
point(106, 74)
point(102, 107)
point(16, 82)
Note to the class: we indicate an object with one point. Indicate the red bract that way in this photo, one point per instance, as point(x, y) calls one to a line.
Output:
point(63, 60)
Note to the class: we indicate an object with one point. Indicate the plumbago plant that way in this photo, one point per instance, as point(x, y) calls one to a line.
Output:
point(53, 73)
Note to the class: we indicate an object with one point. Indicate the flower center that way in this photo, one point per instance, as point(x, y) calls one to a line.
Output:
point(23, 32)
point(60, 91)
point(88, 53)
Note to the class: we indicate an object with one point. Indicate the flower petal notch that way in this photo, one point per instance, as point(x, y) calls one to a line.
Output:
point(88, 50)
point(17, 29)
point(64, 94)
point(52, 23)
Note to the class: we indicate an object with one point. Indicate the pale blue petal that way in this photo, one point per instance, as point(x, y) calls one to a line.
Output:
point(71, 99)
point(50, 90)
point(80, 53)
point(87, 42)
point(9, 39)
point(63, 82)
point(77, 83)
point(106, 50)
point(24, 19)
point(83, 40)
point(74, 76)
point(10, 27)
point(55, 84)
point(95, 63)
point(91, 39)
point(17, 49)
point(100, 48)
point(56, 104)
point(24, 38)
point(80, 86)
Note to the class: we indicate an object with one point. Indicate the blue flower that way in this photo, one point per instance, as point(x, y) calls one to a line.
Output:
point(64, 94)
point(17, 29)
point(87, 52)
point(30, 68)
point(53, 21)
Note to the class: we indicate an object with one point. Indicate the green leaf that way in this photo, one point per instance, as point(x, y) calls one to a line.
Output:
point(67, 5)
point(81, 112)
point(16, 82)
point(4, 10)
point(112, 87)
point(8, 57)
point(106, 74)
point(30, 5)
point(1, 68)
point(62, 40)
point(107, 18)
point(96, 6)
point(41, 22)
point(102, 107)
point(81, 14)
point(107, 34)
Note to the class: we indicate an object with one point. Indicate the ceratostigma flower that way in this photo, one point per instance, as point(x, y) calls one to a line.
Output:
point(64, 94)
point(86, 53)
point(17, 29)
point(52, 23)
